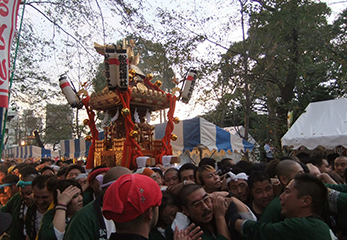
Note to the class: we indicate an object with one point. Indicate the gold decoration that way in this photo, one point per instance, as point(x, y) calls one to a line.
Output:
point(175, 80)
point(176, 120)
point(141, 87)
point(132, 73)
point(86, 121)
point(149, 76)
point(174, 137)
point(134, 134)
point(88, 138)
point(125, 112)
point(158, 84)
point(174, 90)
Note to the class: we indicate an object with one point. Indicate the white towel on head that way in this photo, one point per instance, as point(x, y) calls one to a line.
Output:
point(236, 177)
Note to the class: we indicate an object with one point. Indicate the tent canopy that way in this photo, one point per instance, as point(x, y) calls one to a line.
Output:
point(240, 132)
point(322, 124)
point(74, 148)
point(199, 132)
point(191, 133)
point(29, 151)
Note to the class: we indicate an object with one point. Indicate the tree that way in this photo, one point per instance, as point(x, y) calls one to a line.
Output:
point(59, 123)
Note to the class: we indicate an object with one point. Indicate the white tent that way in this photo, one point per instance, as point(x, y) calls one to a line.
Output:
point(322, 124)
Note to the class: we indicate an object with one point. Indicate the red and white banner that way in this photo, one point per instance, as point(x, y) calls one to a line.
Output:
point(8, 20)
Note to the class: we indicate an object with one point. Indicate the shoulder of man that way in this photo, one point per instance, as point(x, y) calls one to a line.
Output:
point(83, 225)
point(272, 212)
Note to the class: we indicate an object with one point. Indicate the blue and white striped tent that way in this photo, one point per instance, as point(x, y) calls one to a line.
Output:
point(191, 133)
point(29, 151)
point(195, 132)
point(76, 148)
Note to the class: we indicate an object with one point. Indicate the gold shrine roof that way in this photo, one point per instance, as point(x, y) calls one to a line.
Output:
point(141, 97)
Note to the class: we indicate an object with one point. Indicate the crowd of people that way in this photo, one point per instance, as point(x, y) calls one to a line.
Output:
point(293, 198)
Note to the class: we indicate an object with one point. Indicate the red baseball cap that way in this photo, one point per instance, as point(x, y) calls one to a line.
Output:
point(130, 196)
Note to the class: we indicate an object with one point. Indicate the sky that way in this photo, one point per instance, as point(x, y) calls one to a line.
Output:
point(224, 10)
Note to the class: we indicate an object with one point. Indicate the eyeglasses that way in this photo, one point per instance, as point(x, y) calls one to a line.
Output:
point(206, 200)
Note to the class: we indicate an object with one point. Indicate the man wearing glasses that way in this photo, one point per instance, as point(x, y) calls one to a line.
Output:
point(205, 211)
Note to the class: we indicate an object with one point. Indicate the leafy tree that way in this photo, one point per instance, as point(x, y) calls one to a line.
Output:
point(59, 123)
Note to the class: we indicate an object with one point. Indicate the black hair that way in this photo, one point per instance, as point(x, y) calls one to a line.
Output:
point(308, 184)
point(246, 166)
point(74, 166)
point(43, 160)
point(10, 178)
point(158, 170)
point(168, 200)
point(3, 169)
point(47, 168)
point(186, 191)
point(61, 171)
point(317, 160)
point(40, 181)
point(51, 183)
point(207, 161)
point(171, 169)
point(257, 176)
point(187, 166)
point(304, 157)
point(27, 170)
point(62, 185)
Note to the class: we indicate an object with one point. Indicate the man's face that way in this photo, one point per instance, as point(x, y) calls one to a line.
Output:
point(73, 174)
point(187, 175)
point(168, 214)
point(155, 177)
point(211, 180)
point(199, 207)
point(10, 190)
point(239, 189)
point(171, 178)
point(340, 165)
point(325, 167)
point(26, 193)
point(290, 203)
point(262, 193)
point(41, 198)
point(3, 198)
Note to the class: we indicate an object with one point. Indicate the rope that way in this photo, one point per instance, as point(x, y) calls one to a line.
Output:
point(125, 97)
point(167, 148)
point(94, 131)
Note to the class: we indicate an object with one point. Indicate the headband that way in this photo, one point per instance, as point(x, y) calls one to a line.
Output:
point(235, 177)
point(107, 184)
point(23, 184)
point(6, 185)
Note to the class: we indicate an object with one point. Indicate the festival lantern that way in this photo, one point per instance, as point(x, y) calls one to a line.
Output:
point(70, 94)
point(188, 86)
point(117, 70)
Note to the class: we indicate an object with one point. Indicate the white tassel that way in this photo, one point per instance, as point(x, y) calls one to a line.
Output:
point(115, 117)
point(104, 120)
point(136, 116)
point(148, 116)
